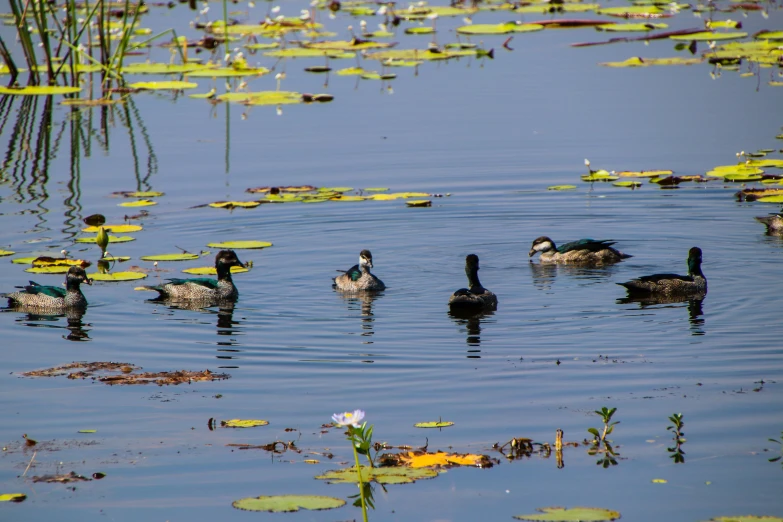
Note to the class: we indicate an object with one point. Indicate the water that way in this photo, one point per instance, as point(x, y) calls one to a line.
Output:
point(494, 135)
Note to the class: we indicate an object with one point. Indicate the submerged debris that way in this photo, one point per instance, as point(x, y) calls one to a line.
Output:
point(127, 375)
point(63, 479)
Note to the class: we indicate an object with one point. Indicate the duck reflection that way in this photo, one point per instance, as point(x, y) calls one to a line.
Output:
point(544, 274)
point(362, 302)
point(472, 323)
point(694, 306)
point(227, 327)
point(37, 317)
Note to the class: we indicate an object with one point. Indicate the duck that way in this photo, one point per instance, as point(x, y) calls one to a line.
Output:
point(359, 278)
point(583, 251)
point(672, 284)
point(475, 297)
point(774, 223)
point(54, 297)
point(203, 288)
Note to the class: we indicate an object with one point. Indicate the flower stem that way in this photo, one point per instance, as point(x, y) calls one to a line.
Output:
point(361, 483)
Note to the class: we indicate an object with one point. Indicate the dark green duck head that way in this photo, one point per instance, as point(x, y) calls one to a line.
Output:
point(541, 244)
point(224, 260)
point(75, 277)
point(694, 262)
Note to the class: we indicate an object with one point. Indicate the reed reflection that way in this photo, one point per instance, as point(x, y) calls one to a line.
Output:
point(363, 303)
point(35, 317)
point(472, 323)
point(694, 306)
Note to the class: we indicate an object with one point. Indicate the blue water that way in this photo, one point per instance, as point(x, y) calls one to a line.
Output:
point(491, 134)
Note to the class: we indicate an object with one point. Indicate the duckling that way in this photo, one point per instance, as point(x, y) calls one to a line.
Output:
point(203, 288)
point(583, 251)
point(55, 297)
point(475, 297)
point(672, 284)
point(774, 223)
point(358, 277)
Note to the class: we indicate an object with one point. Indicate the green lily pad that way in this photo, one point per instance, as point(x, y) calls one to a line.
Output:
point(599, 175)
point(576, 514)
point(419, 203)
point(87, 431)
point(175, 85)
point(227, 72)
point(24, 260)
point(769, 35)
point(351, 71)
point(765, 163)
point(378, 76)
point(118, 229)
point(335, 189)
point(57, 269)
point(139, 194)
point(139, 203)
point(118, 259)
point(505, 28)
point(376, 189)
point(399, 195)
point(6, 253)
point(636, 61)
point(240, 423)
point(112, 239)
point(711, 36)
point(562, 187)
point(631, 11)
point(771, 199)
point(117, 276)
point(181, 256)
point(39, 90)
point(240, 244)
point(287, 503)
point(234, 204)
point(302, 52)
point(12, 497)
point(742, 178)
point(627, 184)
point(640, 27)
point(390, 475)
point(211, 270)
point(420, 30)
point(348, 45)
point(160, 68)
point(263, 97)
point(433, 424)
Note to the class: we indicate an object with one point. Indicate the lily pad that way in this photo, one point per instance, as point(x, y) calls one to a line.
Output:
point(117, 229)
point(711, 36)
point(644, 173)
point(181, 256)
point(420, 30)
point(39, 90)
point(770, 199)
point(505, 28)
point(227, 72)
point(174, 85)
point(627, 184)
point(48, 269)
point(6, 253)
point(139, 203)
point(378, 76)
point(441, 459)
point(235, 204)
point(637, 61)
point(576, 514)
point(388, 475)
point(87, 431)
point(433, 424)
point(419, 203)
point(211, 270)
point(240, 423)
point(240, 244)
point(287, 503)
point(636, 11)
point(117, 276)
point(562, 187)
point(137, 194)
point(399, 195)
point(617, 27)
point(376, 189)
point(12, 497)
point(118, 259)
point(351, 71)
point(112, 239)
point(24, 260)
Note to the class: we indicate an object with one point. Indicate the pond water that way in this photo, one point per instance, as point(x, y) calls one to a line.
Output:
point(490, 136)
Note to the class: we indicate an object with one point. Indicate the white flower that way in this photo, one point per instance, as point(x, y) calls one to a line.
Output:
point(587, 162)
point(279, 76)
point(279, 110)
point(275, 9)
point(432, 16)
point(332, 16)
point(348, 418)
point(64, 253)
point(251, 5)
point(382, 27)
point(467, 20)
point(382, 11)
point(279, 18)
point(314, 3)
point(363, 24)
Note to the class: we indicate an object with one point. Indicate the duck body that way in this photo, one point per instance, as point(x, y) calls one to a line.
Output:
point(672, 284)
point(358, 278)
point(204, 288)
point(475, 297)
point(774, 223)
point(53, 297)
point(583, 251)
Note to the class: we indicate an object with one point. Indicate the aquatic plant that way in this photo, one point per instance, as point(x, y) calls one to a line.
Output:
point(780, 443)
point(677, 424)
point(606, 416)
point(360, 436)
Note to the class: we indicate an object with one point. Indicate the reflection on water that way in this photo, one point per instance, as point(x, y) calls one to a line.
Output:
point(544, 274)
point(362, 302)
point(42, 318)
point(695, 310)
point(472, 323)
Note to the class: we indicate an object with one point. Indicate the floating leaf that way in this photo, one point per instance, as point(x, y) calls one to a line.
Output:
point(637, 11)
point(48, 269)
point(628, 184)
point(433, 424)
point(318, 69)
point(166, 85)
point(24, 260)
point(340, 197)
point(235, 204)
point(617, 27)
point(375, 189)
point(636, 61)
point(87, 431)
point(335, 189)
point(117, 276)
point(95, 220)
point(388, 475)
point(398, 195)
point(562, 187)
point(576, 514)
point(378, 76)
point(415, 459)
point(287, 503)
point(659, 481)
point(211, 270)
point(769, 35)
point(112, 239)
point(645, 173)
point(117, 229)
point(351, 71)
point(139, 203)
point(505, 28)
point(6, 253)
point(420, 30)
point(771, 199)
point(711, 36)
point(59, 261)
point(12, 497)
point(239, 423)
point(120, 259)
point(240, 244)
point(181, 256)
point(419, 203)
point(39, 90)
point(227, 72)
point(137, 194)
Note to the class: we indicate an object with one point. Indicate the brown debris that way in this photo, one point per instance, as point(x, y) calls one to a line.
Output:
point(127, 376)
point(63, 479)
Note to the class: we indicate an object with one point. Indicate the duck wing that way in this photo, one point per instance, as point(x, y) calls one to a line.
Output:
point(592, 245)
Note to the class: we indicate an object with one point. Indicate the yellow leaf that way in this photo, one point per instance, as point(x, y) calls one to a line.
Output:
point(239, 423)
point(428, 460)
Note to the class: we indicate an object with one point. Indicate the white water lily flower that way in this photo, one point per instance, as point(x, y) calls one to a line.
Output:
point(314, 3)
point(251, 5)
point(348, 418)
point(587, 162)
point(467, 20)
point(279, 18)
point(382, 27)
point(279, 110)
point(382, 11)
point(275, 9)
point(432, 16)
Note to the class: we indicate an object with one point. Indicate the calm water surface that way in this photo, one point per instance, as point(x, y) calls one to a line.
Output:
point(494, 135)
